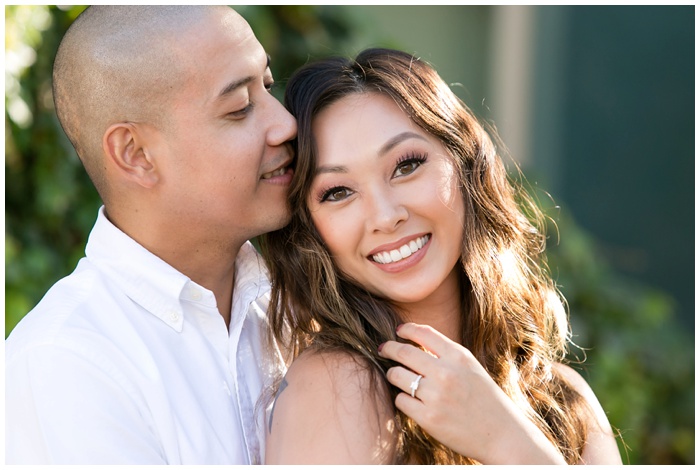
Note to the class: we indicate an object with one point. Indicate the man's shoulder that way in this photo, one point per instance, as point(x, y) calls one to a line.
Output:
point(71, 307)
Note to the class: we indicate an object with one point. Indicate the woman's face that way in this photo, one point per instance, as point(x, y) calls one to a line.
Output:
point(385, 199)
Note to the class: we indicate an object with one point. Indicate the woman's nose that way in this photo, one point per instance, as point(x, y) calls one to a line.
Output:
point(385, 211)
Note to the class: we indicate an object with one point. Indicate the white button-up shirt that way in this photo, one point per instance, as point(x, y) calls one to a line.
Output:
point(127, 360)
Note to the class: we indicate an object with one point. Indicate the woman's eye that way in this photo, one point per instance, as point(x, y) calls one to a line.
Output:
point(407, 167)
point(335, 194)
point(269, 86)
point(409, 163)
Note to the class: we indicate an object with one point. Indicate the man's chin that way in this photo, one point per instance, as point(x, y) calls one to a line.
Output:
point(278, 222)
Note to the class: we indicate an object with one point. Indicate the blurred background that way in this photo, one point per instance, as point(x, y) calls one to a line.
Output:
point(595, 104)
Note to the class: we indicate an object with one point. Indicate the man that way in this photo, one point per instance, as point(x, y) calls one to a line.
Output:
point(153, 351)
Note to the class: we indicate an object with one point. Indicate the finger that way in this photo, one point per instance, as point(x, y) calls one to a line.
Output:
point(426, 336)
point(408, 355)
point(405, 380)
point(412, 407)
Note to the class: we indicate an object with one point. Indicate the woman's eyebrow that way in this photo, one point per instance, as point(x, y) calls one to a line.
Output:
point(386, 148)
point(397, 139)
point(330, 169)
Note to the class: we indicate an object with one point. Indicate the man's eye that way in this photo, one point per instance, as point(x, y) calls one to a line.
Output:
point(241, 113)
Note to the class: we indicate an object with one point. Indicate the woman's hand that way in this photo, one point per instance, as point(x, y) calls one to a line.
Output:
point(459, 404)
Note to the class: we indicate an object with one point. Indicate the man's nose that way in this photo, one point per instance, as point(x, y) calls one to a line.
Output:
point(283, 127)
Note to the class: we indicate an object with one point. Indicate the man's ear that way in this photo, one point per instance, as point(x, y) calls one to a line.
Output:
point(128, 153)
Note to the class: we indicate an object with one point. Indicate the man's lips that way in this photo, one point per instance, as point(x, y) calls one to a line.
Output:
point(279, 171)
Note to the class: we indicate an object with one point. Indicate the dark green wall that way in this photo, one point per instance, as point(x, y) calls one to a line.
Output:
point(623, 160)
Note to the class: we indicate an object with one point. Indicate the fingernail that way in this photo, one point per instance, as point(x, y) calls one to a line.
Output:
point(379, 348)
point(398, 327)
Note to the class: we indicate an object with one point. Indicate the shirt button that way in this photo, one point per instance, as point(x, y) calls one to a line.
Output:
point(195, 294)
point(173, 316)
point(227, 389)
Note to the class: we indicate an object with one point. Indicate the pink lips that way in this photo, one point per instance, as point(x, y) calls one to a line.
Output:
point(395, 245)
point(405, 263)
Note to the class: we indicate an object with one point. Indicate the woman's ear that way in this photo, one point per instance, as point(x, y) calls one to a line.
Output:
point(127, 151)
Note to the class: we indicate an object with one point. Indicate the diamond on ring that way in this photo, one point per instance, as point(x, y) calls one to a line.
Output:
point(414, 385)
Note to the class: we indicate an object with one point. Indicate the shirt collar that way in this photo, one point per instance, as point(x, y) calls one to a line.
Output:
point(142, 276)
point(158, 287)
point(252, 282)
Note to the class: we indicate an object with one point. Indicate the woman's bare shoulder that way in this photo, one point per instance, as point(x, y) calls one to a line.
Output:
point(331, 408)
point(343, 371)
point(601, 444)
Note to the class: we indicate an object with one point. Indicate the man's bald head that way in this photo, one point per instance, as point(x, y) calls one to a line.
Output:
point(121, 64)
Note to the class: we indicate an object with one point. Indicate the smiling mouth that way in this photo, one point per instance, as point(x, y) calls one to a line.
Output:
point(278, 172)
point(403, 252)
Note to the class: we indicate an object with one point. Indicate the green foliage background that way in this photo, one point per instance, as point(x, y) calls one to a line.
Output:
point(639, 361)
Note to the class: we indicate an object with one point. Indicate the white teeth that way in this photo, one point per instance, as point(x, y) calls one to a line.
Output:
point(386, 257)
point(279, 172)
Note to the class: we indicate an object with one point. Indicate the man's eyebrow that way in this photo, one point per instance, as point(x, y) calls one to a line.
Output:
point(236, 84)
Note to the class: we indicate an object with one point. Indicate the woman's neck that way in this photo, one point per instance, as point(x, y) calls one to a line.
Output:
point(441, 310)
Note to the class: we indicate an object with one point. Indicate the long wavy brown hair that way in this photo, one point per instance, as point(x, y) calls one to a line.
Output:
point(513, 320)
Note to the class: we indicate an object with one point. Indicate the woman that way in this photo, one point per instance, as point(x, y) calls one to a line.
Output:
point(410, 287)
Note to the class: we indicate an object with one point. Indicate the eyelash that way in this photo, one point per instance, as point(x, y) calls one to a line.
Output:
point(241, 113)
point(411, 158)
